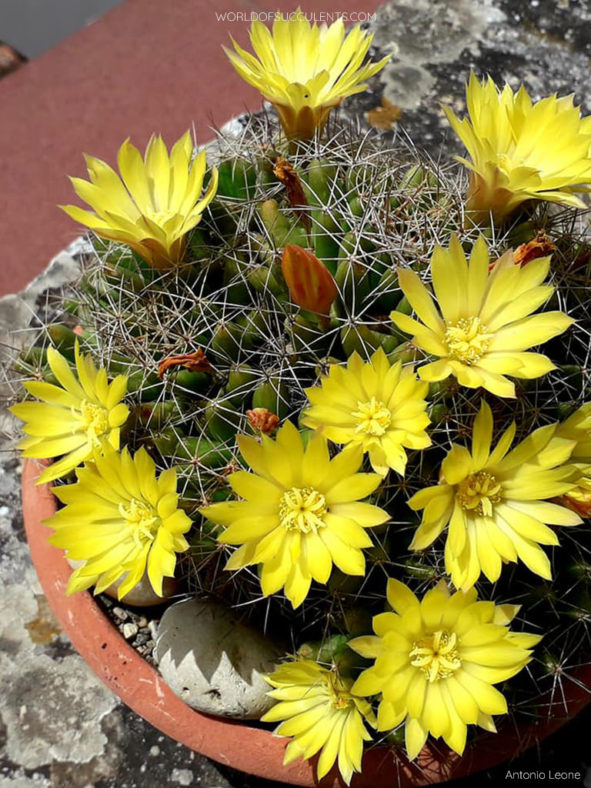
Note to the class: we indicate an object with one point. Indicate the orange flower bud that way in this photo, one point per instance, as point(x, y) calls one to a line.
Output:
point(310, 283)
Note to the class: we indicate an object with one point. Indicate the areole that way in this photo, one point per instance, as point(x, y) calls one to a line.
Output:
point(241, 746)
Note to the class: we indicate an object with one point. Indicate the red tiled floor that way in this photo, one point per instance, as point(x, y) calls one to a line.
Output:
point(145, 66)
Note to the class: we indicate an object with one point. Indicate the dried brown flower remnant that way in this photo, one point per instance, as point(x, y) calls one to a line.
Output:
point(540, 246)
point(296, 196)
point(262, 420)
point(384, 116)
point(194, 362)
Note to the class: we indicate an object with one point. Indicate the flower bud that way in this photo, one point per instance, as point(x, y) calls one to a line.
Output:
point(578, 500)
point(310, 284)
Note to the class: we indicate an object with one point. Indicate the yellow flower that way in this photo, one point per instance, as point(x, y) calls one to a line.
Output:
point(154, 203)
point(521, 151)
point(75, 420)
point(119, 518)
point(436, 661)
point(319, 713)
point(375, 405)
point(305, 70)
point(578, 428)
point(301, 512)
point(495, 502)
point(483, 320)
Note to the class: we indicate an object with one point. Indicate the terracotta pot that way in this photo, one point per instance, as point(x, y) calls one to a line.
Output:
point(235, 744)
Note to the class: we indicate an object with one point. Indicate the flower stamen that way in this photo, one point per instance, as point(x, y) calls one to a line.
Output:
point(302, 509)
point(478, 492)
point(467, 339)
point(95, 420)
point(339, 696)
point(373, 417)
point(141, 519)
point(436, 655)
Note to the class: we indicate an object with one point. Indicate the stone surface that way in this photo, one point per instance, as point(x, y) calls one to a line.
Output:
point(212, 661)
point(39, 695)
point(435, 43)
point(21, 314)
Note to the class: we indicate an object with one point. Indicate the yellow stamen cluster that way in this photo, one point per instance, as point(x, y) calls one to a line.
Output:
point(478, 492)
point(436, 655)
point(338, 692)
point(373, 417)
point(467, 339)
point(95, 421)
point(141, 519)
point(302, 509)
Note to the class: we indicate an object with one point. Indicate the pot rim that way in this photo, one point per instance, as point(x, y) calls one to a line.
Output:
point(235, 743)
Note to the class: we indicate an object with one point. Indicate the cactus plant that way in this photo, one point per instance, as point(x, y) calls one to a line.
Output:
point(369, 208)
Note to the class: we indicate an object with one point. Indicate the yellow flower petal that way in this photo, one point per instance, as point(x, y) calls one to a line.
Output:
point(125, 529)
point(415, 737)
point(512, 146)
point(305, 70)
point(162, 202)
point(484, 344)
